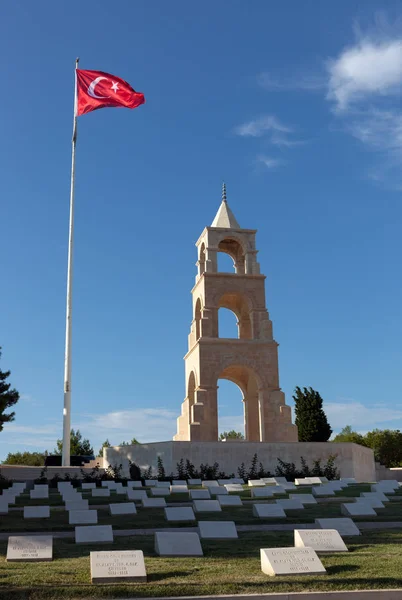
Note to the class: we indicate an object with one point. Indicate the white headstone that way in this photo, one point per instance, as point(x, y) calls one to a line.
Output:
point(373, 502)
point(118, 565)
point(179, 489)
point(345, 526)
point(83, 517)
point(234, 487)
point(163, 484)
point(139, 495)
point(123, 508)
point(134, 484)
point(217, 530)
point(150, 482)
point(358, 509)
point(386, 489)
point(238, 480)
point(88, 486)
point(161, 492)
point(71, 494)
point(322, 490)
point(100, 493)
point(348, 480)
point(277, 490)
point(200, 494)
point(303, 498)
point(320, 540)
point(108, 484)
point(230, 501)
point(179, 513)
point(39, 493)
point(268, 511)
point(218, 491)
point(29, 548)
point(177, 544)
point(3, 506)
point(92, 534)
point(206, 506)
point(77, 505)
point(209, 483)
point(290, 561)
point(255, 483)
point(41, 486)
point(36, 512)
point(64, 485)
point(378, 495)
point(392, 483)
point(153, 502)
point(194, 481)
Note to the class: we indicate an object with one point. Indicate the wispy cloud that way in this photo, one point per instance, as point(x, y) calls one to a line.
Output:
point(369, 68)
point(308, 82)
point(352, 412)
point(261, 126)
point(269, 162)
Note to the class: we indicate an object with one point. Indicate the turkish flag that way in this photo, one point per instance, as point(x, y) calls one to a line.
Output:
point(96, 89)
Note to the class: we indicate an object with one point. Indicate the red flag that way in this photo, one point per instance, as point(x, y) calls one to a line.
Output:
point(96, 89)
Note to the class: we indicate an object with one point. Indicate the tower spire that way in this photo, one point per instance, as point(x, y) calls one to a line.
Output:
point(223, 191)
point(224, 217)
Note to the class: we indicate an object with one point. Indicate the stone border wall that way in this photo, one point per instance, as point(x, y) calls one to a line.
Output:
point(25, 473)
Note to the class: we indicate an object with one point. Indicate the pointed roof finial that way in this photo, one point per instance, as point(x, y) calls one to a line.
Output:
point(223, 191)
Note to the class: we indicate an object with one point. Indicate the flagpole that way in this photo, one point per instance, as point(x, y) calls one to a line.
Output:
point(67, 355)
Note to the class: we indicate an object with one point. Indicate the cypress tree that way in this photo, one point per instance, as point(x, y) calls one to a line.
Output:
point(8, 397)
point(311, 419)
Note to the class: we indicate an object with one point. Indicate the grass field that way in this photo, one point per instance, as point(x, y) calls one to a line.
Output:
point(373, 561)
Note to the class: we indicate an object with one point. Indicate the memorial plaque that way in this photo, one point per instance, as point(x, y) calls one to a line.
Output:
point(24, 548)
point(230, 501)
point(382, 488)
point(161, 492)
point(255, 483)
point(39, 493)
point(303, 498)
point(153, 502)
point(235, 487)
point(118, 565)
point(36, 512)
point(163, 484)
point(82, 517)
point(150, 482)
point(139, 495)
point(268, 511)
point(343, 525)
point(179, 513)
point(179, 489)
point(88, 486)
point(291, 561)
point(179, 482)
point(206, 506)
point(100, 492)
point(322, 490)
point(169, 543)
point(194, 481)
point(218, 491)
point(379, 495)
point(209, 483)
point(134, 484)
point(123, 508)
point(358, 509)
point(217, 530)
point(320, 540)
point(92, 534)
point(200, 494)
point(371, 501)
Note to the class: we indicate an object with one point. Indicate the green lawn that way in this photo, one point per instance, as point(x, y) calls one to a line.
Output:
point(231, 567)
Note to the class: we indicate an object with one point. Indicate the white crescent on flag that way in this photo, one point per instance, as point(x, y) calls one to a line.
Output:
point(91, 88)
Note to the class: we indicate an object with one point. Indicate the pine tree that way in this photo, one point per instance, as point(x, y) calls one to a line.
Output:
point(311, 419)
point(8, 397)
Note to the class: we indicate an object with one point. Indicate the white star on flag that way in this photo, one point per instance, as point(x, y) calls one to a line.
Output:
point(115, 87)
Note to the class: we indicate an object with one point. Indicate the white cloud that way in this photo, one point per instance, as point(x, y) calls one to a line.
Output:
point(261, 126)
point(269, 162)
point(371, 67)
point(358, 415)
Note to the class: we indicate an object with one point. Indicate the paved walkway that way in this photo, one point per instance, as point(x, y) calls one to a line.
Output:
point(262, 527)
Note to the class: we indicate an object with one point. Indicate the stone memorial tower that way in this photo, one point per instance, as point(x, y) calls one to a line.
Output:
point(251, 361)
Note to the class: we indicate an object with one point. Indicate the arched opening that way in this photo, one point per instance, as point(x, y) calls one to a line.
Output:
point(197, 318)
point(232, 248)
point(241, 307)
point(230, 407)
point(191, 388)
point(202, 259)
point(228, 326)
point(226, 264)
point(248, 382)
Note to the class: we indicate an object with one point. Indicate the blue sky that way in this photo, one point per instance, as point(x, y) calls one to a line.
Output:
point(297, 106)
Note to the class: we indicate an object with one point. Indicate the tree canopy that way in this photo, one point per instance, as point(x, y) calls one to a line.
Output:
point(31, 459)
point(79, 446)
point(231, 435)
point(348, 435)
point(385, 443)
point(311, 419)
point(8, 397)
